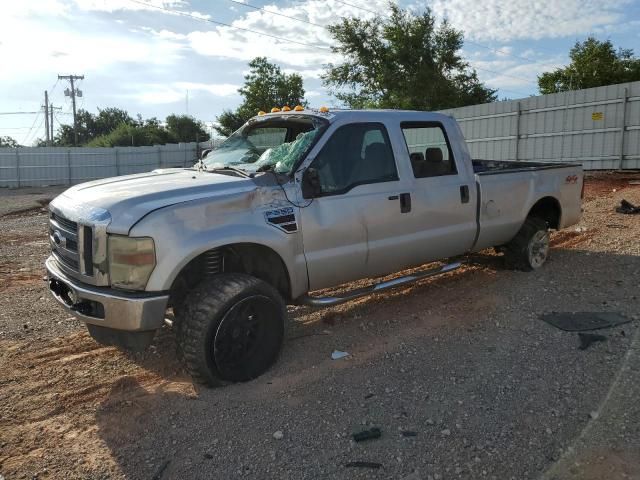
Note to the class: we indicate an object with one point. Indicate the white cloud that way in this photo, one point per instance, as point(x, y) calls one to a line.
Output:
point(311, 50)
point(176, 92)
point(116, 5)
point(57, 48)
point(217, 89)
point(523, 19)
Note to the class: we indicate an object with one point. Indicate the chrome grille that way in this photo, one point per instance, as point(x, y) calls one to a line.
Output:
point(64, 223)
point(71, 244)
point(68, 262)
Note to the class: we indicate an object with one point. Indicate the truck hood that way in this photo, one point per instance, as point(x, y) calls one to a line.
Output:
point(131, 197)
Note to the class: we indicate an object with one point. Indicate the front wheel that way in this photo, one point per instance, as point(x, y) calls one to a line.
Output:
point(529, 249)
point(231, 328)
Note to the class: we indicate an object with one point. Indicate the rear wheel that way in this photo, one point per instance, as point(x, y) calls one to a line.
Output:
point(529, 249)
point(231, 328)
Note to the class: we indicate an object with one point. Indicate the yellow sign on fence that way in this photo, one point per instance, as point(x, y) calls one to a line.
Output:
point(597, 116)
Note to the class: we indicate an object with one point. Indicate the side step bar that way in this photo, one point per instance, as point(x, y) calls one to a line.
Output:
point(376, 288)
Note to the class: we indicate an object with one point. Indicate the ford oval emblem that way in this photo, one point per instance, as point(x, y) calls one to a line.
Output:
point(59, 239)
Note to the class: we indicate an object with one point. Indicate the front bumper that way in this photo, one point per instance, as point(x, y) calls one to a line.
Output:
point(106, 307)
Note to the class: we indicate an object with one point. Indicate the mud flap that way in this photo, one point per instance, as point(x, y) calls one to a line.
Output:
point(132, 341)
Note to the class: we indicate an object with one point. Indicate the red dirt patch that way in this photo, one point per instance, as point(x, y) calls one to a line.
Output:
point(602, 184)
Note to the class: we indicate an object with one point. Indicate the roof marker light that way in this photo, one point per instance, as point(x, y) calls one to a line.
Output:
point(286, 108)
point(275, 110)
point(260, 113)
point(298, 108)
point(323, 109)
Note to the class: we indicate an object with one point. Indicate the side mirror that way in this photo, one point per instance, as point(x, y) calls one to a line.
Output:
point(311, 183)
point(204, 153)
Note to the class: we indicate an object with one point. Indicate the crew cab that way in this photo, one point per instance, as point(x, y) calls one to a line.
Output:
point(291, 203)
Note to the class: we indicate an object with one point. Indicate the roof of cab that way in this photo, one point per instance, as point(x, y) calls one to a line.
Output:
point(333, 115)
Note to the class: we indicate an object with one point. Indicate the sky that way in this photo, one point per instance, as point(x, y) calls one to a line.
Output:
point(158, 57)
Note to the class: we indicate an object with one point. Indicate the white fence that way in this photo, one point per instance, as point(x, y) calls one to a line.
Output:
point(40, 166)
point(598, 127)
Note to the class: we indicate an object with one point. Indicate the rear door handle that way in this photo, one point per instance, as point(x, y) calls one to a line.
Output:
point(405, 202)
point(464, 193)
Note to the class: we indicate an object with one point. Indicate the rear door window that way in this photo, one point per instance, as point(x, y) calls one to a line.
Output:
point(429, 149)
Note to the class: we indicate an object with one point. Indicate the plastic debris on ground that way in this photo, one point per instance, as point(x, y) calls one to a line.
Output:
point(627, 207)
point(586, 339)
point(364, 465)
point(370, 434)
point(584, 321)
point(337, 355)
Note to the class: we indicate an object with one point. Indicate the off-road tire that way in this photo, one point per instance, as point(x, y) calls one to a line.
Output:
point(212, 314)
point(527, 250)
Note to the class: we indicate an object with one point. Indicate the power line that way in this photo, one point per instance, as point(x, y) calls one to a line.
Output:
point(216, 22)
point(19, 113)
point(248, 5)
point(32, 125)
point(504, 75)
point(31, 134)
point(356, 6)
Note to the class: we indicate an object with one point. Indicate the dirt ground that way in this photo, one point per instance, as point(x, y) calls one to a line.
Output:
point(458, 372)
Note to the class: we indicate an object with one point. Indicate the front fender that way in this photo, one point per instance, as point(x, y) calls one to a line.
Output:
point(182, 232)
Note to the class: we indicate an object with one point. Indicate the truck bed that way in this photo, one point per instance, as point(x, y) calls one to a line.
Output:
point(490, 167)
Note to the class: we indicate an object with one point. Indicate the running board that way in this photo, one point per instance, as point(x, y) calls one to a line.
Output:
point(376, 288)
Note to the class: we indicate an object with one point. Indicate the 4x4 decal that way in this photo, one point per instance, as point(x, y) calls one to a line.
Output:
point(282, 218)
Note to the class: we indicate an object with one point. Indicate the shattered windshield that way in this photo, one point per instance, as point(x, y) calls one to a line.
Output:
point(274, 143)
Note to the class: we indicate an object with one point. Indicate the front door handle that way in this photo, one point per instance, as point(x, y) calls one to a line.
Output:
point(464, 193)
point(405, 202)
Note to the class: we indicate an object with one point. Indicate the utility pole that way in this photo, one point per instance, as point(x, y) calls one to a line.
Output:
point(51, 108)
point(73, 93)
point(46, 116)
point(51, 122)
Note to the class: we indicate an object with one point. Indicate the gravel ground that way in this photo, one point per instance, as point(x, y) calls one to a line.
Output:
point(458, 372)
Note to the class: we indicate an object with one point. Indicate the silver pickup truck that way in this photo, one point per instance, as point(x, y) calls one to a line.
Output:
point(291, 203)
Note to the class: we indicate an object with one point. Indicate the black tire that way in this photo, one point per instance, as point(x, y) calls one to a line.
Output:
point(529, 249)
point(231, 328)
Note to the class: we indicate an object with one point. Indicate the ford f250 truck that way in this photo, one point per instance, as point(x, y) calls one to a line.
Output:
point(291, 203)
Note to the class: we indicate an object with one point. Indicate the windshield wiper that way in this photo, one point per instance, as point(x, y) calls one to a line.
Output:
point(239, 171)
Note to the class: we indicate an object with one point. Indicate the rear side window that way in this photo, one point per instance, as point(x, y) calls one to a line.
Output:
point(356, 154)
point(429, 149)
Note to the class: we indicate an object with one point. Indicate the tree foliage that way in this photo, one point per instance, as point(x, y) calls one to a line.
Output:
point(403, 61)
point(593, 64)
point(265, 87)
point(8, 142)
point(92, 126)
point(115, 127)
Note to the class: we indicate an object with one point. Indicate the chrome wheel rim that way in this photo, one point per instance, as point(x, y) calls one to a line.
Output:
point(538, 248)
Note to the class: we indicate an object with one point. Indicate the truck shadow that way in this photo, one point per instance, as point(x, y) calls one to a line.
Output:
point(167, 431)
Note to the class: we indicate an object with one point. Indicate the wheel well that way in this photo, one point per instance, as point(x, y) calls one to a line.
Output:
point(253, 259)
point(548, 209)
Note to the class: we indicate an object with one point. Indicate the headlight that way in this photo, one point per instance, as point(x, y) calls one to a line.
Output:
point(131, 261)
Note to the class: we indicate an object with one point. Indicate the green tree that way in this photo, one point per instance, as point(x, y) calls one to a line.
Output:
point(403, 61)
point(143, 133)
point(265, 87)
point(593, 64)
point(8, 142)
point(184, 128)
point(92, 126)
